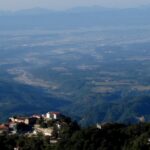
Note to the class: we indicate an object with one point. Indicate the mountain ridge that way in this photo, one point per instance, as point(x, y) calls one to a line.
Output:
point(74, 18)
point(40, 10)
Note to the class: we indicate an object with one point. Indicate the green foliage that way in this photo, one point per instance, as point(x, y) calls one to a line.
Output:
point(50, 123)
point(22, 128)
point(110, 137)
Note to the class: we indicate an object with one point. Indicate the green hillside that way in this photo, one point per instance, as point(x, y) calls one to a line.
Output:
point(22, 99)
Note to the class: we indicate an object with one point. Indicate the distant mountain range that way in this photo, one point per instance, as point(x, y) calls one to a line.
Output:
point(73, 18)
point(92, 9)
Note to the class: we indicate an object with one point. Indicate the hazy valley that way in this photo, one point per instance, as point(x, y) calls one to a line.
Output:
point(91, 72)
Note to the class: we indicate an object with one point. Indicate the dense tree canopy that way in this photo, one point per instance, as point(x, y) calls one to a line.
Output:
point(111, 136)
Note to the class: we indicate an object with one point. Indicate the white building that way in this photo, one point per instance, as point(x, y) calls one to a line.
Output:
point(52, 115)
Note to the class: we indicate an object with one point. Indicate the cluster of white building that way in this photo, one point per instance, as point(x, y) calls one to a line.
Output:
point(31, 121)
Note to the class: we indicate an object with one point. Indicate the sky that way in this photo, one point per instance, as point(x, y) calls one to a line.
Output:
point(67, 4)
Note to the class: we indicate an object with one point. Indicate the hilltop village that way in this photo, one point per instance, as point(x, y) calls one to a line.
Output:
point(55, 131)
point(50, 124)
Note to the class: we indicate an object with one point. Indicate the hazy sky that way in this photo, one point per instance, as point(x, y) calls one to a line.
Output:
point(65, 4)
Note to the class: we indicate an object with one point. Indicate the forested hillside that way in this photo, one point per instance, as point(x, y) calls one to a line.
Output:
point(109, 137)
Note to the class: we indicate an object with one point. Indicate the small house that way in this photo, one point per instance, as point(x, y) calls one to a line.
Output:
point(3, 128)
point(53, 115)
